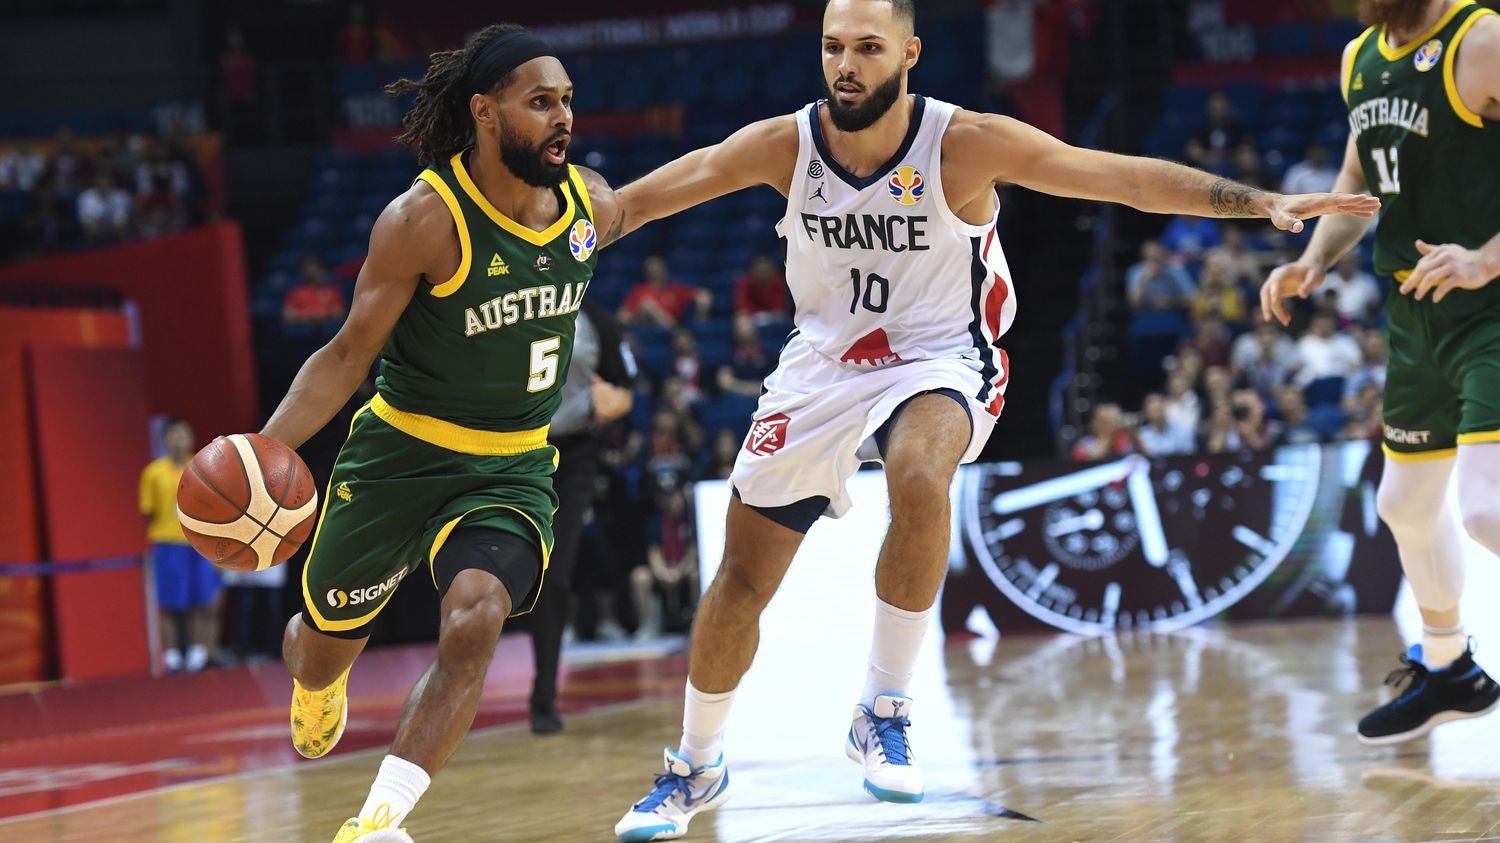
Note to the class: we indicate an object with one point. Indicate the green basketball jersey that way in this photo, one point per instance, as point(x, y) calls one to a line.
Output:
point(488, 349)
point(1434, 163)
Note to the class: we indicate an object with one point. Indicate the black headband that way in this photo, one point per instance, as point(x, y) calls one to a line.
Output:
point(502, 55)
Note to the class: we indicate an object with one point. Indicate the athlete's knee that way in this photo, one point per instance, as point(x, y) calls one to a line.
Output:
point(474, 611)
point(743, 584)
point(1403, 508)
point(918, 486)
point(1481, 517)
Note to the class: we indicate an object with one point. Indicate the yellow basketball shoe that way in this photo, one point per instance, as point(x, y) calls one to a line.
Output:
point(357, 828)
point(318, 717)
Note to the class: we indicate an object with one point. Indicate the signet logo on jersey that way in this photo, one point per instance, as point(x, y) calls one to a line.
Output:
point(339, 598)
point(582, 239)
point(1427, 55)
point(907, 185)
point(768, 435)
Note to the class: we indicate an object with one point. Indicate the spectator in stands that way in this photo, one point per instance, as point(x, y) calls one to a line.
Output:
point(1190, 237)
point(1107, 435)
point(47, 227)
point(1212, 144)
point(748, 364)
point(1293, 410)
point(1363, 411)
point(187, 584)
point(1371, 371)
point(761, 293)
point(1255, 431)
point(1184, 408)
point(1157, 436)
point(1221, 433)
point(1324, 352)
point(1313, 174)
point(1218, 296)
point(23, 168)
point(670, 572)
point(1264, 358)
point(670, 449)
point(1248, 169)
point(726, 449)
point(315, 298)
point(1155, 283)
point(104, 211)
point(159, 209)
point(659, 300)
point(239, 69)
point(159, 167)
point(1244, 265)
point(355, 41)
point(68, 170)
point(1358, 294)
point(1210, 339)
point(687, 364)
point(1217, 384)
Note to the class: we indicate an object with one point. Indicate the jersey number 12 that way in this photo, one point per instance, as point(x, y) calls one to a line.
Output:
point(1389, 167)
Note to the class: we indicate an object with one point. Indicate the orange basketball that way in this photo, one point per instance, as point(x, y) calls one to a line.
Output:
point(247, 502)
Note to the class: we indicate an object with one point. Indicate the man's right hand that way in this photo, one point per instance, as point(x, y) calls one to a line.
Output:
point(1292, 279)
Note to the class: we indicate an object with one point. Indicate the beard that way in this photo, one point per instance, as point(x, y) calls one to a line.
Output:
point(1400, 15)
point(529, 163)
point(857, 117)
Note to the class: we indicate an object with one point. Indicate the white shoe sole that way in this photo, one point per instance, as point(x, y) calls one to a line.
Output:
point(1432, 723)
point(633, 835)
point(883, 794)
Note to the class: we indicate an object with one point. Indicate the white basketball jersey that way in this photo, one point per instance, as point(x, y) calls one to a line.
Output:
point(880, 268)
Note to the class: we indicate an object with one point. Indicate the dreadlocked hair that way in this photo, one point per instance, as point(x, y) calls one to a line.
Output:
point(439, 125)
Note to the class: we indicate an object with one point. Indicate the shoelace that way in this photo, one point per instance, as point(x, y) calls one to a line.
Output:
point(891, 732)
point(666, 784)
point(1411, 676)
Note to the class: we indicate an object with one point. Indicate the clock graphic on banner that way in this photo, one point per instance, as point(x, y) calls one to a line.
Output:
point(1138, 543)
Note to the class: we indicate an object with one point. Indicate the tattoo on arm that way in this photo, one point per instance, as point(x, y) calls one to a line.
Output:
point(1230, 199)
point(614, 229)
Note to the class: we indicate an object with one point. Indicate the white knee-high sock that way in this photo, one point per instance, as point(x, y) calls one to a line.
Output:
point(704, 717)
point(398, 786)
point(1413, 503)
point(893, 652)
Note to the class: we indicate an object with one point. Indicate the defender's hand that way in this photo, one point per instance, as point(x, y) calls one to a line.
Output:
point(1288, 212)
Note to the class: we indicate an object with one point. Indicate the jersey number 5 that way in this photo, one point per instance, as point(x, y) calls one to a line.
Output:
point(877, 291)
point(543, 364)
point(1389, 167)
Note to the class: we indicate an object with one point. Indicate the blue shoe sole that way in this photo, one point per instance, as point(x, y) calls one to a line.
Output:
point(642, 835)
point(891, 795)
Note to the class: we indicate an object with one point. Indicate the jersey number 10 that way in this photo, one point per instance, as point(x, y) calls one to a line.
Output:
point(877, 291)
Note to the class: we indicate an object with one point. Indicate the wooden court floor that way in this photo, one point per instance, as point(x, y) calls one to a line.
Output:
point(1240, 734)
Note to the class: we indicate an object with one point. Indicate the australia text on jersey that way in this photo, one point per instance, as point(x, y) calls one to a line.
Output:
point(1389, 111)
point(520, 305)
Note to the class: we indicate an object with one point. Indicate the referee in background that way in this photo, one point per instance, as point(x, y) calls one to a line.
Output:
point(597, 392)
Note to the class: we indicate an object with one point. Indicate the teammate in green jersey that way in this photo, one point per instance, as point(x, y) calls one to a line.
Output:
point(469, 295)
point(1423, 87)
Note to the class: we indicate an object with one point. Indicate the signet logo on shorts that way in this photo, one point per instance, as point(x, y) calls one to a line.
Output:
point(767, 435)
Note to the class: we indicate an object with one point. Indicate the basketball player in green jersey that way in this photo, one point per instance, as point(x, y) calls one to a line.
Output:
point(1423, 87)
point(469, 296)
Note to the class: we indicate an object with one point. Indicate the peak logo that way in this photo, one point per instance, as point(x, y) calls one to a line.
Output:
point(339, 598)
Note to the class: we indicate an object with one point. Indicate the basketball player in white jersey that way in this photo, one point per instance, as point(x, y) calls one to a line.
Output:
point(901, 292)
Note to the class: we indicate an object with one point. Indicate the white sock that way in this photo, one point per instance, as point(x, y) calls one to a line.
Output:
point(197, 657)
point(893, 653)
point(397, 788)
point(703, 719)
point(1441, 646)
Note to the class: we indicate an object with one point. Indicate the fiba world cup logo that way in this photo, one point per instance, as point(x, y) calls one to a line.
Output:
point(582, 239)
point(1427, 55)
point(907, 185)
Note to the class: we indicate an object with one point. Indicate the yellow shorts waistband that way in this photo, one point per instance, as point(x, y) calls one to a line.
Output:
point(484, 443)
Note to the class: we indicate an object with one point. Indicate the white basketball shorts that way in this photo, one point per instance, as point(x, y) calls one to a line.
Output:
point(816, 422)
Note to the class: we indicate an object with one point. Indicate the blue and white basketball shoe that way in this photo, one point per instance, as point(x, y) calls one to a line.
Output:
point(681, 793)
point(877, 739)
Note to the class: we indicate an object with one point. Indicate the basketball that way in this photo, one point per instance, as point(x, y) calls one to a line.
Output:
point(247, 502)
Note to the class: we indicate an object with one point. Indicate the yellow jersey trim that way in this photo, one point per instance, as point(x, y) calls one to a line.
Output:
point(482, 443)
point(442, 537)
point(1419, 456)
point(583, 191)
point(1449, 83)
point(321, 622)
point(532, 236)
point(449, 287)
point(1480, 438)
point(1354, 47)
point(1392, 54)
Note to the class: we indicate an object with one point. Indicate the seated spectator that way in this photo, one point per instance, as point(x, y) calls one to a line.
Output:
point(1371, 371)
point(1293, 410)
point(1211, 145)
point(749, 364)
point(1107, 436)
point(104, 212)
point(1245, 266)
point(687, 365)
point(1184, 409)
point(1265, 358)
point(1358, 293)
point(1157, 436)
point(22, 168)
point(1210, 339)
point(1217, 385)
point(1155, 283)
point(658, 300)
point(314, 298)
point(159, 209)
point(1221, 434)
point(1190, 237)
point(1364, 412)
point(355, 42)
point(1313, 174)
point(670, 572)
point(674, 397)
point(669, 449)
point(68, 171)
point(46, 226)
point(159, 169)
point(1256, 432)
point(1324, 352)
point(726, 449)
point(1247, 168)
point(761, 293)
point(1218, 296)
